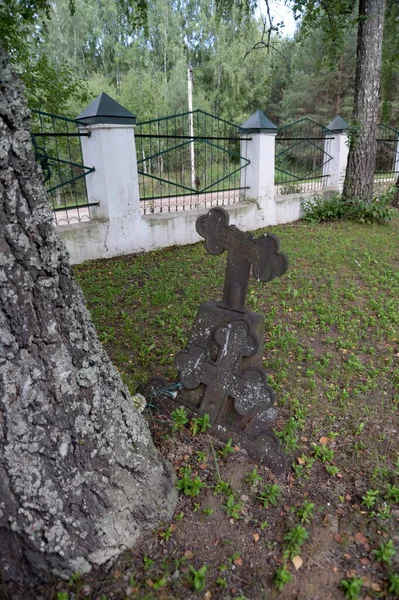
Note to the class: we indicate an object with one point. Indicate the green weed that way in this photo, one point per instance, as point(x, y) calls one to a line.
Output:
point(282, 577)
point(270, 495)
point(352, 587)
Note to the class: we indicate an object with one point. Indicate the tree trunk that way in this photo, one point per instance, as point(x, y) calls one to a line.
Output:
point(80, 478)
point(395, 199)
point(359, 180)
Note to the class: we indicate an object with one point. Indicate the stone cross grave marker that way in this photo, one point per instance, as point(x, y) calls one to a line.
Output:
point(221, 371)
point(243, 251)
point(223, 377)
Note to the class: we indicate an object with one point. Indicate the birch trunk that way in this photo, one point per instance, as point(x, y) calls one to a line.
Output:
point(80, 478)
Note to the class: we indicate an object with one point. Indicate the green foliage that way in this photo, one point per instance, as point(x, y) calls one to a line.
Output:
point(200, 424)
point(222, 488)
point(227, 449)
point(333, 208)
point(352, 587)
point(323, 452)
point(370, 498)
point(294, 541)
point(253, 477)
point(233, 508)
point(270, 494)
point(179, 418)
point(394, 584)
point(305, 512)
point(190, 485)
point(282, 577)
point(392, 493)
point(198, 578)
point(385, 552)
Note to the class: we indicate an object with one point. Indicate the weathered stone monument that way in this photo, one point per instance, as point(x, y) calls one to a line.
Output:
point(221, 370)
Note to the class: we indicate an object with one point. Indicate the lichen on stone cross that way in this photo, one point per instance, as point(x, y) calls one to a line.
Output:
point(243, 251)
point(222, 378)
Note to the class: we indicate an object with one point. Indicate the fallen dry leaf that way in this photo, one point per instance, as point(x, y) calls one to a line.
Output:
point(172, 526)
point(188, 554)
point(256, 537)
point(238, 562)
point(297, 562)
point(208, 595)
point(203, 466)
point(338, 538)
point(300, 460)
point(364, 561)
point(359, 537)
point(347, 556)
point(324, 440)
point(351, 573)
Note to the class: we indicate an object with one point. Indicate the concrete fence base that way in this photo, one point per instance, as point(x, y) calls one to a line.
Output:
point(116, 226)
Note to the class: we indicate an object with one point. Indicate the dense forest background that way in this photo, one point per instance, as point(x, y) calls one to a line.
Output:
point(76, 56)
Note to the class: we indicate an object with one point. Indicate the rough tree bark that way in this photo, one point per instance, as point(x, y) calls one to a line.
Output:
point(80, 478)
point(359, 179)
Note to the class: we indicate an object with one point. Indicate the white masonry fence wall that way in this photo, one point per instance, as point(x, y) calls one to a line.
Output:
point(116, 226)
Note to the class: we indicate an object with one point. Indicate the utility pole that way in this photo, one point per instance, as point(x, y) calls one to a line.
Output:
point(191, 124)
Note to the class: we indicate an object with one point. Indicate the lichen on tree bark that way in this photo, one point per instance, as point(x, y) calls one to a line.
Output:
point(80, 478)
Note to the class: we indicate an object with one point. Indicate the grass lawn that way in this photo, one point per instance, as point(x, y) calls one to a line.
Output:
point(332, 356)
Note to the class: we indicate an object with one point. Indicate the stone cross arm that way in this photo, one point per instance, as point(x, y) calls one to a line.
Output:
point(244, 250)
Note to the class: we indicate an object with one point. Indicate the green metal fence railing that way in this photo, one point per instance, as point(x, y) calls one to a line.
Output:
point(189, 160)
point(301, 155)
point(56, 141)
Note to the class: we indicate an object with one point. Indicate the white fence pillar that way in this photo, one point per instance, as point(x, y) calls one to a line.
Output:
point(258, 176)
point(334, 170)
point(114, 183)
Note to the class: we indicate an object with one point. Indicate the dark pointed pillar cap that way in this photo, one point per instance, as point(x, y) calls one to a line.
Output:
point(338, 125)
point(106, 110)
point(258, 123)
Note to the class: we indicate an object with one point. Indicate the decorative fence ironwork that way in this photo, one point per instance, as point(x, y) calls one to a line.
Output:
point(302, 152)
point(387, 158)
point(188, 161)
point(56, 141)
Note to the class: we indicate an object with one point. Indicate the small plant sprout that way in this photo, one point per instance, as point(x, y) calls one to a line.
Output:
point(323, 452)
point(305, 512)
point(147, 562)
point(198, 578)
point(294, 541)
point(332, 470)
point(394, 584)
point(270, 495)
point(233, 508)
point(208, 511)
point(179, 516)
point(159, 583)
point(221, 581)
point(200, 424)
point(264, 525)
point(253, 478)
point(222, 488)
point(352, 587)
point(370, 498)
point(167, 534)
point(282, 577)
point(190, 486)
point(179, 419)
point(385, 552)
point(392, 493)
point(201, 456)
point(228, 449)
